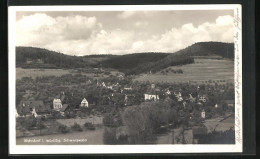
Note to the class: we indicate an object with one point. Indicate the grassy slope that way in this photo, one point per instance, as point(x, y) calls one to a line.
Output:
point(201, 70)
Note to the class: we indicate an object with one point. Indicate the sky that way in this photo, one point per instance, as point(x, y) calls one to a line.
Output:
point(121, 32)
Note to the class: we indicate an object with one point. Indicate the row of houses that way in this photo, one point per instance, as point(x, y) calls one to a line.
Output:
point(38, 108)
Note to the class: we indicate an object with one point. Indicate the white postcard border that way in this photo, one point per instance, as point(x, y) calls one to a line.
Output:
point(108, 149)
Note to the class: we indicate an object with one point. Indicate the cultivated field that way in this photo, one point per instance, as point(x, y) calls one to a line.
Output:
point(20, 73)
point(200, 71)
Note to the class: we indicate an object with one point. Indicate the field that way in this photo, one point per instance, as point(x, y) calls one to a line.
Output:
point(20, 73)
point(200, 71)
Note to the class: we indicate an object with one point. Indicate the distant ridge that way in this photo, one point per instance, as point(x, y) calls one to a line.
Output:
point(135, 63)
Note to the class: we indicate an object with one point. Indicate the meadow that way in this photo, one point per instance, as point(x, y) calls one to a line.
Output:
point(21, 72)
point(200, 71)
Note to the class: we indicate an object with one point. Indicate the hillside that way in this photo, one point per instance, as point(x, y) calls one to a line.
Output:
point(136, 63)
point(130, 61)
point(30, 57)
point(185, 56)
point(225, 50)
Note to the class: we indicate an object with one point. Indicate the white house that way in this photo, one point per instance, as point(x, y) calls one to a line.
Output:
point(168, 92)
point(178, 96)
point(152, 97)
point(84, 103)
point(192, 99)
point(203, 98)
point(57, 105)
point(203, 114)
point(34, 113)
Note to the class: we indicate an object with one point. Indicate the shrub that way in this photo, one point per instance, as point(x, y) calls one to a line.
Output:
point(89, 126)
point(63, 129)
point(108, 120)
point(76, 127)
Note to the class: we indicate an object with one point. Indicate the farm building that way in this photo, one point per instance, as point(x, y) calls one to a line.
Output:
point(28, 107)
point(84, 103)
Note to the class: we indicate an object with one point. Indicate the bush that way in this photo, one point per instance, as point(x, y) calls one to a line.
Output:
point(89, 126)
point(108, 120)
point(29, 122)
point(76, 127)
point(63, 129)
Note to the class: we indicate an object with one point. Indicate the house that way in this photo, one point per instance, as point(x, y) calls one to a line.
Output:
point(203, 98)
point(178, 96)
point(128, 88)
point(153, 86)
point(57, 105)
point(84, 103)
point(110, 87)
point(168, 92)
point(203, 114)
point(120, 77)
point(191, 99)
point(34, 113)
point(151, 97)
point(33, 107)
point(230, 103)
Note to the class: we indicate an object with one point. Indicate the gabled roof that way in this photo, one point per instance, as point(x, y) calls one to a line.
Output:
point(84, 101)
point(64, 107)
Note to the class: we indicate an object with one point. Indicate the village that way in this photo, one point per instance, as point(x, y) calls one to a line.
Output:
point(73, 103)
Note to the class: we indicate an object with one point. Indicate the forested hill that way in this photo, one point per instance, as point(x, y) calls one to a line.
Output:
point(130, 61)
point(30, 57)
point(225, 50)
point(153, 62)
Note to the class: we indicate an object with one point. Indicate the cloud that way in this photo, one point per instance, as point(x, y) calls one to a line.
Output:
point(140, 24)
point(179, 38)
point(41, 29)
point(81, 35)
